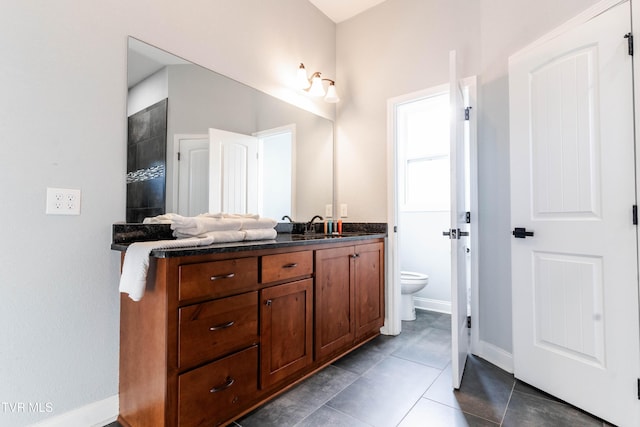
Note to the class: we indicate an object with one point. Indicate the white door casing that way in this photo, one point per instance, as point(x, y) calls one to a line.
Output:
point(459, 232)
point(575, 281)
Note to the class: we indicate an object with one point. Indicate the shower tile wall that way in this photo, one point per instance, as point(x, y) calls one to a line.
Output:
point(146, 162)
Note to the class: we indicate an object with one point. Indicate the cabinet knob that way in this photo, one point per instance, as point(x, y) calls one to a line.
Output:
point(354, 256)
point(267, 302)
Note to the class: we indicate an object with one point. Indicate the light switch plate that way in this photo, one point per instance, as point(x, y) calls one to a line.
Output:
point(63, 201)
point(328, 210)
point(343, 210)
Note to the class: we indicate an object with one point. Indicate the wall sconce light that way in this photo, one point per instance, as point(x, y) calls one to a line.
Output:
point(315, 87)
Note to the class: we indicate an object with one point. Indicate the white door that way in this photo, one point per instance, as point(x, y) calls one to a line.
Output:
point(193, 176)
point(234, 172)
point(575, 276)
point(459, 232)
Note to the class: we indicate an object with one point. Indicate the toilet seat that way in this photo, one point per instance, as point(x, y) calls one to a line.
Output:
point(412, 277)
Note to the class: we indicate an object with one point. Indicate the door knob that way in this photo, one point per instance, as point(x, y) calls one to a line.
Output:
point(521, 233)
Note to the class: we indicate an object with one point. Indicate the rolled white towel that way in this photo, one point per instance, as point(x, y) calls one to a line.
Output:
point(133, 279)
point(253, 224)
point(260, 234)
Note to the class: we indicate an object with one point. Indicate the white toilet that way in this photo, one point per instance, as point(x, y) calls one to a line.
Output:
point(410, 283)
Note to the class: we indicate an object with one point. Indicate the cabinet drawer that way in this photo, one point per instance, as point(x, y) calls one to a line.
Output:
point(213, 393)
point(286, 266)
point(213, 329)
point(218, 278)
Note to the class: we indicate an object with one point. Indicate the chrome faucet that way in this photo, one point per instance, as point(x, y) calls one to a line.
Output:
point(287, 217)
point(310, 228)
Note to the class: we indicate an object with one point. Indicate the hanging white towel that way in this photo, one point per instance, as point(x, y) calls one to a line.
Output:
point(133, 280)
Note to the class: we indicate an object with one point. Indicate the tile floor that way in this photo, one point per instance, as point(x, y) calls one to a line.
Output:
point(405, 381)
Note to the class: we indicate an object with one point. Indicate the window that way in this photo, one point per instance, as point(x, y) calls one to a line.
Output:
point(423, 149)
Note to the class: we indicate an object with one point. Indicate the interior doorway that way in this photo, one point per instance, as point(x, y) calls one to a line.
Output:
point(418, 207)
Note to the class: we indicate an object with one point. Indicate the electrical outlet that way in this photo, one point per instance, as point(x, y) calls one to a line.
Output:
point(343, 210)
point(63, 201)
point(328, 210)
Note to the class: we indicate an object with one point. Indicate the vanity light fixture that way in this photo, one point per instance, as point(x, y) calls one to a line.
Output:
point(314, 85)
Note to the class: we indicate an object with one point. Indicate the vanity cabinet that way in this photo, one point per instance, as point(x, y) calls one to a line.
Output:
point(369, 289)
point(217, 334)
point(286, 329)
point(349, 296)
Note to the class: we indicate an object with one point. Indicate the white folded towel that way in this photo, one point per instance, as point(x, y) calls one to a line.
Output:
point(228, 215)
point(260, 234)
point(133, 280)
point(162, 219)
point(196, 226)
point(224, 236)
point(253, 224)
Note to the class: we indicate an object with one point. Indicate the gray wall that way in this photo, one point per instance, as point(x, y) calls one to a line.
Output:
point(401, 46)
point(63, 124)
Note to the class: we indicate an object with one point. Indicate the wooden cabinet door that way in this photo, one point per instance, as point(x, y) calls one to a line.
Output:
point(286, 328)
point(334, 300)
point(369, 288)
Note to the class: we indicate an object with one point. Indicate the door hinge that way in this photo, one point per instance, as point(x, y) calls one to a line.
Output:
point(395, 228)
point(629, 37)
point(635, 214)
point(467, 113)
point(469, 322)
point(638, 388)
point(178, 156)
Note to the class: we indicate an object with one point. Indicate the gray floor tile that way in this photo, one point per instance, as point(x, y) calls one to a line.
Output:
point(526, 388)
point(319, 388)
point(484, 392)
point(433, 414)
point(326, 416)
point(431, 347)
point(361, 360)
point(442, 390)
point(386, 392)
point(387, 344)
point(428, 320)
point(282, 411)
point(528, 410)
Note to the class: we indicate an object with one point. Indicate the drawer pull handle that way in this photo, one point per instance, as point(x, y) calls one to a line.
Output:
point(292, 265)
point(222, 326)
point(223, 276)
point(228, 383)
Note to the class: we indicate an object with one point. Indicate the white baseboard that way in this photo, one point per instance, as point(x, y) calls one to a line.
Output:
point(96, 414)
point(495, 355)
point(432, 305)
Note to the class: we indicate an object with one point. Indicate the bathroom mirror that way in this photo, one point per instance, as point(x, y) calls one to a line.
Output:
point(195, 105)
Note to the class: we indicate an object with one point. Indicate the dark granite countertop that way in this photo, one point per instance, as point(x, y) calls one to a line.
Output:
point(125, 234)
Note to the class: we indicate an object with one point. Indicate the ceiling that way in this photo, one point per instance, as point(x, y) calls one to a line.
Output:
point(341, 10)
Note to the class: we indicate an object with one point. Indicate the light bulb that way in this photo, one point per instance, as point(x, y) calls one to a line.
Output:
point(332, 95)
point(301, 78)
point(316, 86)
